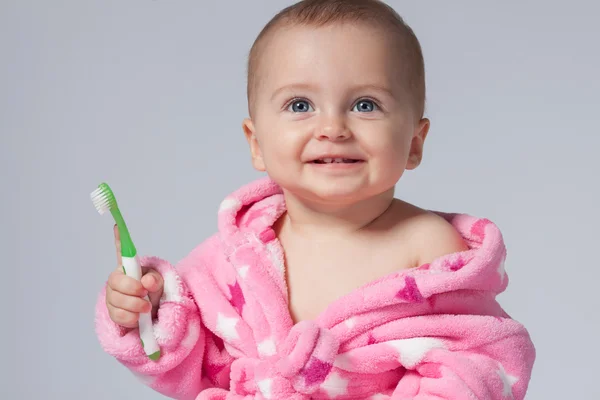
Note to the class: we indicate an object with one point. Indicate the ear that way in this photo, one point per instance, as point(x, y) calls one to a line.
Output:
point(416, 146)
point(249, 132)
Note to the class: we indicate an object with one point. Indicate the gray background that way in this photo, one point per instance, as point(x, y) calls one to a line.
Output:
point(150, 95)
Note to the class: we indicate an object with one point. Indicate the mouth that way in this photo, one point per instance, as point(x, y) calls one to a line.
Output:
point(337, 160)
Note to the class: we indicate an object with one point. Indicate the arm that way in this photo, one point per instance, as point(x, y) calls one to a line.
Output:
point(469, 348)
point(187, 347)
point(475, 357)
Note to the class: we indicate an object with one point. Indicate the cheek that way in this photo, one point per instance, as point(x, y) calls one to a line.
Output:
point(387, 141)
point(390, 149)
point(280, 145)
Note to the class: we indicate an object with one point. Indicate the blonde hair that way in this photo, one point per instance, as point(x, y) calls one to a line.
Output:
point(319, 13)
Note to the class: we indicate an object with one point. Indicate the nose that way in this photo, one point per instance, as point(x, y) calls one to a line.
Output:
point(333, 127)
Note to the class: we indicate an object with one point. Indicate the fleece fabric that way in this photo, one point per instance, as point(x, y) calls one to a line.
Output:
point(225, 330)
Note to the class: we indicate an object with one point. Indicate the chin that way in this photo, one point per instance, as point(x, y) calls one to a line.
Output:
point(333, 193)
point(333, 197)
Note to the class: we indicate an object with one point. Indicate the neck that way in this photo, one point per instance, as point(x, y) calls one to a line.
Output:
point(316, 220)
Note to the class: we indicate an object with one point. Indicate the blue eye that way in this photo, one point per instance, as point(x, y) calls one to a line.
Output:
point(300, 106)
point(365, 106)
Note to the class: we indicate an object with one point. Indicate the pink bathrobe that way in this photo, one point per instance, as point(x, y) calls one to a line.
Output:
point(225, 331)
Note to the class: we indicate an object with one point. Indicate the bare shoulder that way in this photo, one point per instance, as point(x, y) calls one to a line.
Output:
point(430, 235)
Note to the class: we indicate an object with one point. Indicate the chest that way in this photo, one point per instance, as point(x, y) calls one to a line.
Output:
point(319, 275)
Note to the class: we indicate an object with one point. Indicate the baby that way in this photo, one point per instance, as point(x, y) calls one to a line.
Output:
point(320, 284)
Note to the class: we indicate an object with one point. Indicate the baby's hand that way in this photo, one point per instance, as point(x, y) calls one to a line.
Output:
point(125, 295)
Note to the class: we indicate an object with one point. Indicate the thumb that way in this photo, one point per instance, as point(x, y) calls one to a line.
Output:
point(153, 283)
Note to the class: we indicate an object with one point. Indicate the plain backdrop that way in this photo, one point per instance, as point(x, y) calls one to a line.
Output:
point(149, 96)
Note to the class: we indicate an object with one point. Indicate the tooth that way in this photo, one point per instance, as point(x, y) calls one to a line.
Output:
point(327, 160)
point(339, 160)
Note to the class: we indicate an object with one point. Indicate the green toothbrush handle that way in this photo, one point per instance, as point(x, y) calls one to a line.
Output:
point(131, 267)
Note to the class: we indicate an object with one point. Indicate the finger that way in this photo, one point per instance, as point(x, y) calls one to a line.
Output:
point(155, 302)
point(129, 303)
point(152, 281)
point(120, 282)
point(122, 317)
point(118, 245)
point(107, 295)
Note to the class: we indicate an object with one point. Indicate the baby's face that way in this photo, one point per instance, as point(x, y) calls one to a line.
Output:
point(333, 92)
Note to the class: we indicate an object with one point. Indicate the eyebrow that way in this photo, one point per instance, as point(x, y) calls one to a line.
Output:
point(308, 87)
point(293, 88)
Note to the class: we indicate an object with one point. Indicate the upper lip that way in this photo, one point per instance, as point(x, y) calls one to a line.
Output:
point(336, 155)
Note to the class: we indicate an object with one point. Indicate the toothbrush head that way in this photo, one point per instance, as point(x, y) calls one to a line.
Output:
point(103, 199)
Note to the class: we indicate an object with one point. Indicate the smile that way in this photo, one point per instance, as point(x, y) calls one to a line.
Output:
point(335, 161)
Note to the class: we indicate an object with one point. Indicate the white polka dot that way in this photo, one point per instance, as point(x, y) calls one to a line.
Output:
point(243, 270)
point(412, 351)
point(276, 257)
point(508, 381)
point(350, 322)
point(172, 287)
point(265, 387)
point(267, 348)
point(229, 204)
point(226, 327)
point(335, 385)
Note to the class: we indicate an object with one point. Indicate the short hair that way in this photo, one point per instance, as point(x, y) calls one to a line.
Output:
point(319, 13)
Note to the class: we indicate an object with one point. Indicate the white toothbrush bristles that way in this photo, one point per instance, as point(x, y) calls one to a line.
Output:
point(100, 200)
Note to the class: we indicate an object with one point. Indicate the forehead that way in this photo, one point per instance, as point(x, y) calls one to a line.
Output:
point(328, 55)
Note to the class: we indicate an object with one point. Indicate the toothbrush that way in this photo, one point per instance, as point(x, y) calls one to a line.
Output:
point(104, 200)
